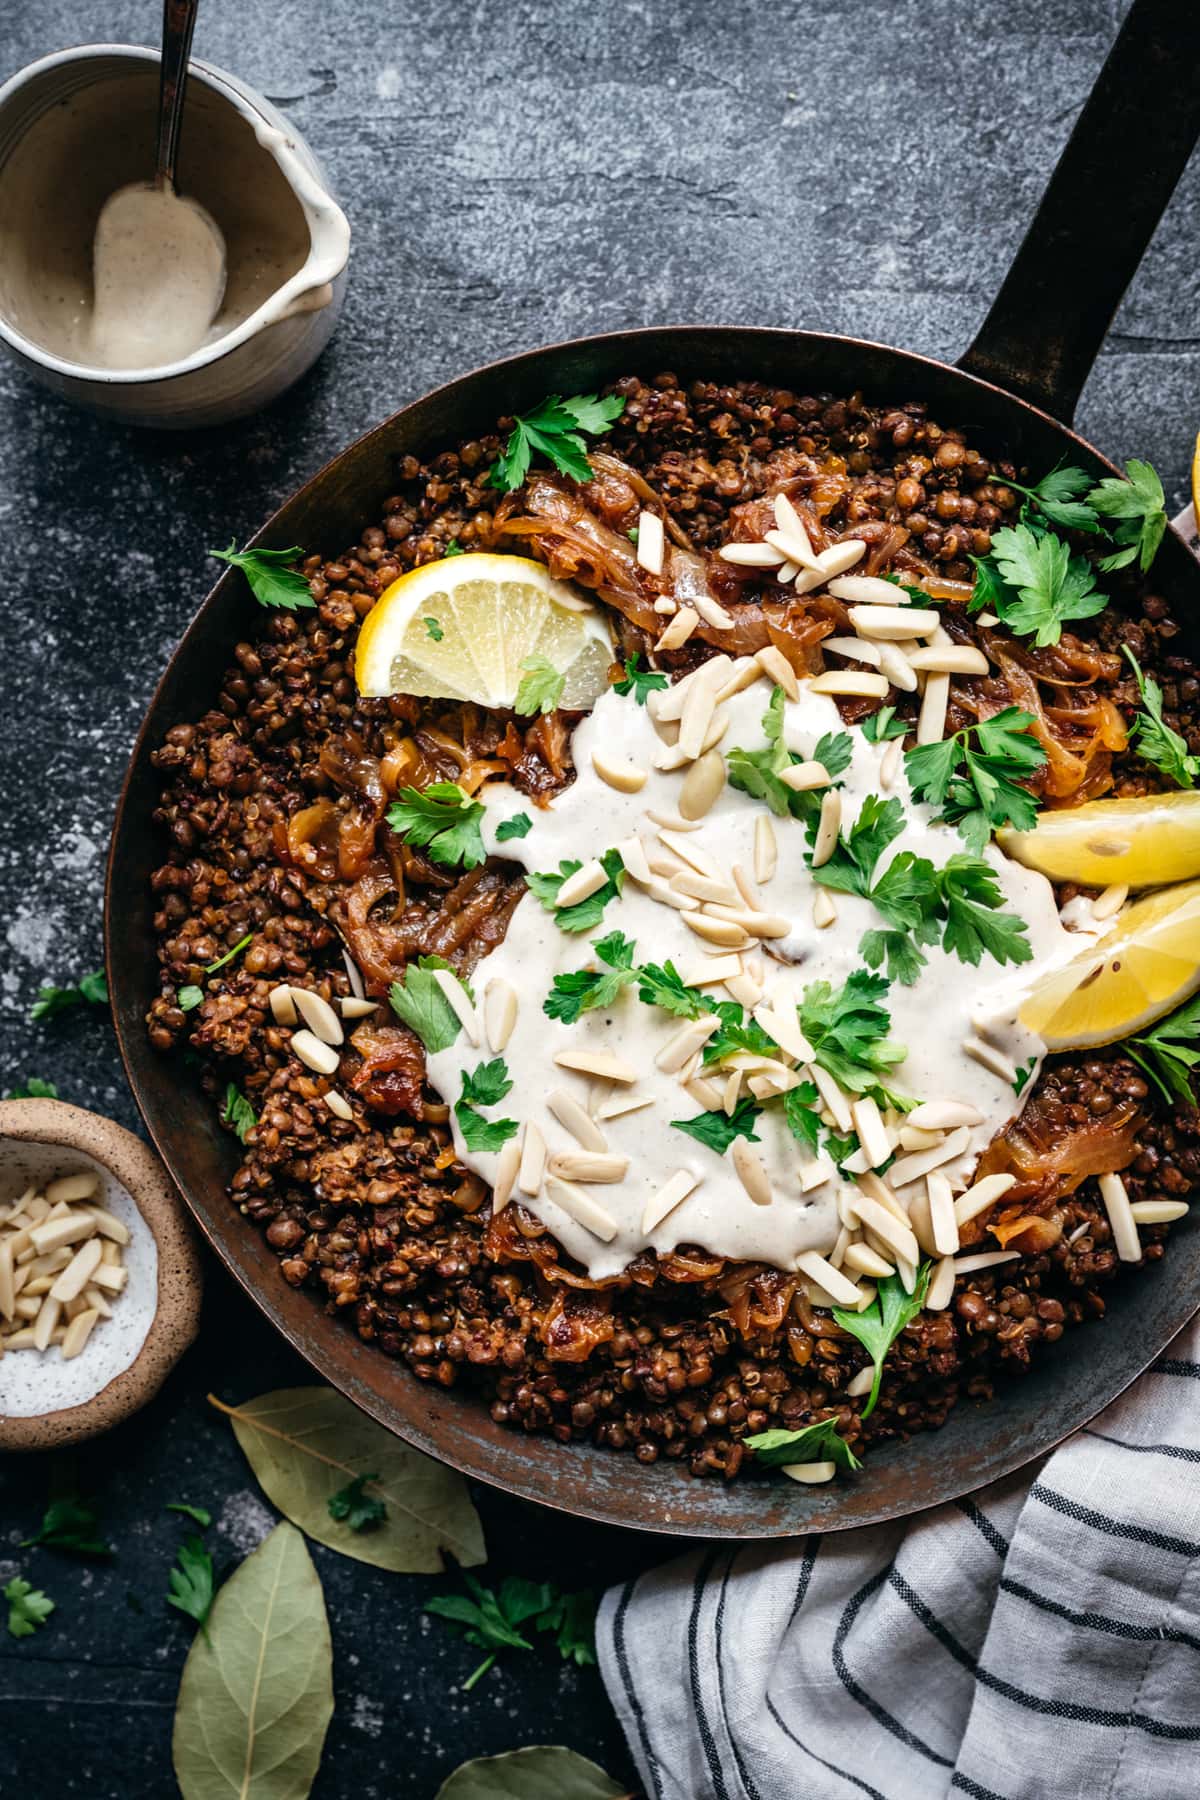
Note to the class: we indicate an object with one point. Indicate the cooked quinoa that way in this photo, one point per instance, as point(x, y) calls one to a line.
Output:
point(272, 821)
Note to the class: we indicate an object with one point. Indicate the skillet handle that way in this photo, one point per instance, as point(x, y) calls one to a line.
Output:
point(1097, 216)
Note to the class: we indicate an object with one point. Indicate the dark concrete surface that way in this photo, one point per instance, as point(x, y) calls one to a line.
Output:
point(514, 175)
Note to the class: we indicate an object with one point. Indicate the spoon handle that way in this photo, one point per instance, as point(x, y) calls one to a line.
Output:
point(179, 22)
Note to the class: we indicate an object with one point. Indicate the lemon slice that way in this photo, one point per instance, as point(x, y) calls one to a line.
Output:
point(1143, 970)
point(1146, 841)
point(460, 629)
point(1196, 480)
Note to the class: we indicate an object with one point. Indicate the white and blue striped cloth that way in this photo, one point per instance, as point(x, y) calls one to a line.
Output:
point(1040, 1641)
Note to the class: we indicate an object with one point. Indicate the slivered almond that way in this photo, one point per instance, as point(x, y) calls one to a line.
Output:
point(586, 881)
point(533, 1160)
point(674, 1190)
point(78, 1272)
point(570, 1114)
point(717, 931)
point(818, 1268)
point(751, 1172)
point(852, 683)
point(912, 1138)
point(588, 1166)
point(931, 723)
point(990, 1058)
point(1157, 1212)
point(802, 777)
point(338, 1105)
point(617, 1105)
point(889, 766)
point(712, 612)
point(943, 1225)
point(759, 924)
point(500, 1006)
point(651, 542)
point(46, 1321)
point(941, 1287)
point(682, 845)
point(726, 966)
point(319, 1016)
point(745, 988)
point(814, 1174)
point(632, 852)
point(8, 1291)
point(775, 664)
point(824, 909)
point(731, 1092)
point(354, 1008)
point(971, 1265)
point(866, 1261)
point(828, 826)
point(322, 1058)
point(704, 887)
point(666, 604)
point(751, 556)
point(789, 521)
point(868, 1124)
point(766, 849)
point(682, 1044)
point(69, 1188)
point(893, 622)
point(507, 1165)
point(109, 1226)
point(894, 663)
point(618, 772)
point(702, 785)
point(694, 721)
point(833, 1097)
point(864, 1381)
point(911, 1168)
point(659, 890)
point(283, 1007)
point(110, 1278)
point(679, 630)
point(841, 556)
point(460, 1002)
point(54, 1233)
point(812, 1474)
point(78, 1332)
point(867, 590)
point(885, 1225)
point(955, 659)
point(705, 1093)
point(1110, 901)
point(979, 1196)
point(857, 649)
point(671, 821)
point(783, 1028)
point(1120, 1216)
point(95, 1298)
point(944, 1115)
point(601, 1063)
point(796, 549)
point(580, 1206)
point(746, 888)
point(744, 672)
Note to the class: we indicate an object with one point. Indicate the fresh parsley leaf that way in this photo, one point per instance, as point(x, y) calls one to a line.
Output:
point(453, 548)
point(486, 1086)
point(572, 1619)
point(518, 826)
point(852, 865)
point(491, 1618)
point(35, 1089)
point(433, 629)
point(540, 688)
point(1057, 498)
point(974, 776)
point(801, 1109)
point(1022, 1075)
point(191, 1581)
point(200, 1515)
point(818, 1442)
point(489, 1083)
point(28, 1607)
point(420, 1002)
point(1139, 507)
point(212, 967)
point(717, 1130)
point(353, 1506)
point(442, 819)
point(881, 1323)
point(1170, 1053)
point(270, 582)
point(237, 1111)
point(72, 1525)
point(660, 984)
point(638, 681)
point(1040, 585)
point(882, 725)
point(736, 1033)
point(897, 950)
point(1155, 741)
point(555, 430)
point(834, 751)
point(582, 990)
point(757, 772)
point(188, 998)
point(847, 1028)
point(51, 1001)
point(972, 897)
point(585, 913)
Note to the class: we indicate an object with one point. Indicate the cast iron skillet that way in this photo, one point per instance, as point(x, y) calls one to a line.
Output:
point(1019, 379)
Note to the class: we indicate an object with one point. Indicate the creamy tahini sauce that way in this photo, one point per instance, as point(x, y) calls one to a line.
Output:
point(158, 263)
point(949, 1002)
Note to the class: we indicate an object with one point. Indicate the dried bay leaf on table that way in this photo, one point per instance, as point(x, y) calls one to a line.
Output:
point(306, 1444)
point(256, 1696)
point(539, 1772)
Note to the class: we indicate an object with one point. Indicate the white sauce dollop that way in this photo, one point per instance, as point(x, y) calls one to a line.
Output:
point(949, 1003)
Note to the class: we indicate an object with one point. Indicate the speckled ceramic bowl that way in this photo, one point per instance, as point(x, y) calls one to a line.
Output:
point(43, 1400)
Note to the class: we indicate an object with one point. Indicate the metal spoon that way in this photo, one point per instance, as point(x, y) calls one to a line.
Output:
point(158, 258)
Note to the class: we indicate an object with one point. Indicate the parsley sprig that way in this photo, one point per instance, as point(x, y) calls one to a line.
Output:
point(89, 990)
point(1139, 508)
point(555, 429)
point(585, 913)
point(442, 819)
point(354, 1507)
point(518, 826)
point(847, 1028)
point(975, 776)
point(1170, 1053)
point(1155, 741)
point(485, 1086)
point(757, 772)
point(420, 1002)
point(237, 1112)
point(1035, 583)
point(819, 1442)
point(879, 1325)
point(191, 1581)
point(28, 1607)
point(493, 1618)
point(540, 687)
point(271, 582)
point(582, 990)
point(70, 1524)
point(638, 681)
point(716, 1130)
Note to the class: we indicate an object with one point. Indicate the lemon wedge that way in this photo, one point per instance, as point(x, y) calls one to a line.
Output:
point(1146, 841)
point(1196, 480)
point(461, 628)
point(1143, 970)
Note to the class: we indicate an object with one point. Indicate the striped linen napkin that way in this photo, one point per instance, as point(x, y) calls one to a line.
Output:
point(1039, 1641)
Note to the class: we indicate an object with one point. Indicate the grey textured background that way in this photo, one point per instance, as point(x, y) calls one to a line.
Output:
point(513, 174)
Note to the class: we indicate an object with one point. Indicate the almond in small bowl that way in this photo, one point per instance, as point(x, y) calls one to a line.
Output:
point(100, 1281)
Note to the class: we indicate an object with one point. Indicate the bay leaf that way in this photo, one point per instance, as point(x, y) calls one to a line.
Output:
point(256, 1695)
point(305, 1444)
point(539, 1772)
